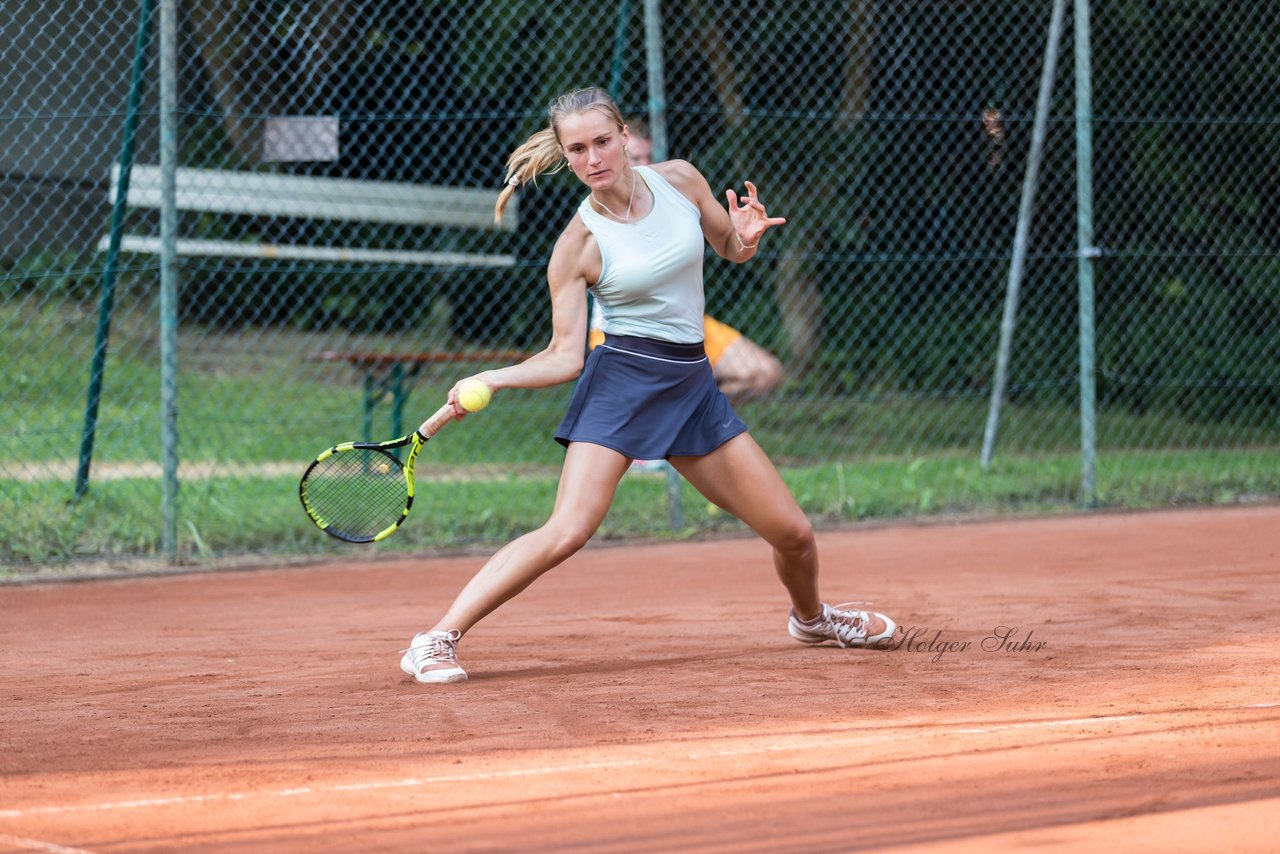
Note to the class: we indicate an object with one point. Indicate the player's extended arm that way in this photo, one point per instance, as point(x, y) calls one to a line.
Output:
point(574, 258)
point(734, 233)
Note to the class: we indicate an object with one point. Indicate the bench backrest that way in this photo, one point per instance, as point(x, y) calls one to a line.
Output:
point(305, 196)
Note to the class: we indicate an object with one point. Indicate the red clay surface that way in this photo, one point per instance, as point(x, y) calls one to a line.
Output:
point(648, 698)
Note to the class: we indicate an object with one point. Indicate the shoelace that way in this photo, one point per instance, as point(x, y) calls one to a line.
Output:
point(443, 649)
point(848, 625)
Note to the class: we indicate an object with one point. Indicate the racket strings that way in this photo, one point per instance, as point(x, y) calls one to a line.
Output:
point(357, 493)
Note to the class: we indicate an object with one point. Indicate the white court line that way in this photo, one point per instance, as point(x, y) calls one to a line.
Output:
point(410, 782)
point(480, 776)
point(881, 738)
point(1038, 725)
point(484, 775)
point(37, 845)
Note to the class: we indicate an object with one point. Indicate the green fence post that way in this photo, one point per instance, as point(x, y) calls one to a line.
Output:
point(109, 273)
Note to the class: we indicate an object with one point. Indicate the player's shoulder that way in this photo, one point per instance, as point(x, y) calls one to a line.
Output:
point(575, 233)
point(575, 250)
point(686, 178)
point(679, 172)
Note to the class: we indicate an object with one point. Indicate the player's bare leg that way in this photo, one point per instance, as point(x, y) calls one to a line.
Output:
point(739, 477)
point(587, 483)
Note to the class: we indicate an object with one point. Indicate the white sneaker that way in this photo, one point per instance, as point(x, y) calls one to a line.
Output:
point(847, 627)
point(433, 657)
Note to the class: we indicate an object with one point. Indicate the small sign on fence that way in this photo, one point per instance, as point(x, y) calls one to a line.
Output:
point(292, 139)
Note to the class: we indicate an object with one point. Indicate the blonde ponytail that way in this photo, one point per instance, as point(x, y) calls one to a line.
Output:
point(541, 152)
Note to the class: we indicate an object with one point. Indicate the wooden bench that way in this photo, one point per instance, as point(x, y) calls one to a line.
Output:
point(307, 197)
point(392, 374)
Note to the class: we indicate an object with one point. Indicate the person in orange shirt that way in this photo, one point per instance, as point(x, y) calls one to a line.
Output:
point(742, 368)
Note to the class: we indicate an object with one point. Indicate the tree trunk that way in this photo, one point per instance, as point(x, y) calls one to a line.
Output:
point(234, 47)
point(799, 294)
point(220, 31)
point(720, 61)
point(855, 89)
point(800, 305)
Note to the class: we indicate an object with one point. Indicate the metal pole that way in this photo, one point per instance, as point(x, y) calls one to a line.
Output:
point(1026, 210)
point(658, 132)
point(1086, 253)
point(675, 511)
point(169, 274)
point(619, 51)
point(106, 303)
point(657, 90)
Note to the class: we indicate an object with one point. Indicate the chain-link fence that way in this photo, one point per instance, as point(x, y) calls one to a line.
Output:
point(336, 267)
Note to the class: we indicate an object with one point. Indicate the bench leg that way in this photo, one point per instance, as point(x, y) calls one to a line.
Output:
point(397, 399)
point(369, 401)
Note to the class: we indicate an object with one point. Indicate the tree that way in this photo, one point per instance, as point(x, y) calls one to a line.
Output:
point(264, 58)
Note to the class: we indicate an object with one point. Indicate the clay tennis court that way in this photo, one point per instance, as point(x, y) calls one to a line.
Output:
point(649, 698)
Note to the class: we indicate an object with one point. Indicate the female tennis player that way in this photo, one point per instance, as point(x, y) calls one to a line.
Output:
point(647, 392)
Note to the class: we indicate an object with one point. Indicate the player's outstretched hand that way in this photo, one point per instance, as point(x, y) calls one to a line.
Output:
point(750, 219)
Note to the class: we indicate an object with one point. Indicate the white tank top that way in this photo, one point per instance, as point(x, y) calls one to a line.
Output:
point(651, 271)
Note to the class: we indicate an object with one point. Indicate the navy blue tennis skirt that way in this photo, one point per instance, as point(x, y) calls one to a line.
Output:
point(648, 400)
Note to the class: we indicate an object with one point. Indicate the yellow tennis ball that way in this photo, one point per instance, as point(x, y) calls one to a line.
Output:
point(474, 395)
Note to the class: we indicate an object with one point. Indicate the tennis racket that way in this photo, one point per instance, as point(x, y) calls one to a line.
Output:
point(360, 492)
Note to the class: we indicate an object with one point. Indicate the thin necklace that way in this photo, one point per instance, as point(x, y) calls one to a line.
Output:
point(630, 201)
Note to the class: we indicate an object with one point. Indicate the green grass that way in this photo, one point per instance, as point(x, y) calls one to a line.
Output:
point(262, 515)
point(249, 397)
point(254, 397)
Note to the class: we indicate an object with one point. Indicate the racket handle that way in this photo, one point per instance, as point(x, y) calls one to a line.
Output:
point(433, 424)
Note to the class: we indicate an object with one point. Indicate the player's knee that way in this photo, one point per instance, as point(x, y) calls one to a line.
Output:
point(795, 538)
point(752, 374)
point(769, 376)
point(568, 537)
